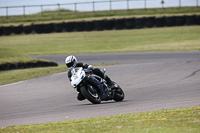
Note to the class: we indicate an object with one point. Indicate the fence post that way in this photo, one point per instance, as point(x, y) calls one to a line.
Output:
point(75, 7)
point(127, 4)
point(58, 9)
point(145, 4)
point(6, 11)
point(24, 10)
point(110, 5)
point(41, 10)
point(179, 3)
point(93, 5)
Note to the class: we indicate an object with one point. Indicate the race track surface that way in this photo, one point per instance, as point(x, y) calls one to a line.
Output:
point(150, 80)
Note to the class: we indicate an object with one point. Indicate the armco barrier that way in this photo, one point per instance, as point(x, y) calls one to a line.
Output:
point(105, 24)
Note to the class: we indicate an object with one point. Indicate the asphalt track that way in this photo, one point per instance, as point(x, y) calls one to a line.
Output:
point(150, 80)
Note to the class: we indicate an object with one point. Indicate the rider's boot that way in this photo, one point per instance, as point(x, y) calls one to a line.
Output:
point(109, 81)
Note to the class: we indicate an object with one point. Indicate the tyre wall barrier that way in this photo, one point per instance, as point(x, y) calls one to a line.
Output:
point(69, 26)
point(58, 27)
point(109, 24)
point(140, 23)
point(180, 20)
point(79, 26)
point(38, 28)
point(89, 26)
point(28, 29)
point(48, 28)
point(150, 22)
point(26, 64)
point(119, 24)
point(105, 24)
point(130, 23)
point(197, 19)
point(18, 29)
point(99, 25)
point(160, 21)
point(170, 21)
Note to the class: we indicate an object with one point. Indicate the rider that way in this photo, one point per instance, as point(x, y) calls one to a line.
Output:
point(71, 61)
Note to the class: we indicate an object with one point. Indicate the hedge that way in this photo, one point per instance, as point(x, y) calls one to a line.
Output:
point(105, 24)
point(26, 64)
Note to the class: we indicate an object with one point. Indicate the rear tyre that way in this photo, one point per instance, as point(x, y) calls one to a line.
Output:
point(119, 95)
point(91, 95)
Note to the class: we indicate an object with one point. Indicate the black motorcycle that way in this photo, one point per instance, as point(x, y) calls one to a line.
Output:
point(93, 87)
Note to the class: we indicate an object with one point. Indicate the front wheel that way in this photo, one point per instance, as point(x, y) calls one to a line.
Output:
point(119, 95)
point(91, 94)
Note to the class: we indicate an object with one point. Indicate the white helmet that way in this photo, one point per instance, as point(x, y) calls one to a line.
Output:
point(71, 61)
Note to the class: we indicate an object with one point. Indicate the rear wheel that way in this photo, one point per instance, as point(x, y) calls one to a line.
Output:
point(91, 94)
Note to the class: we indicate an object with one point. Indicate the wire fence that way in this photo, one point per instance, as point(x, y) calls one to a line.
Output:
point(93, 6)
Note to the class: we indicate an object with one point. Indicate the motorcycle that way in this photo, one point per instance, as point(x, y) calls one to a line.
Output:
point(85, 82)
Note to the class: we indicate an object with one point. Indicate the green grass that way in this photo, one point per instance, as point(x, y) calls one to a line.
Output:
point(166, 121)
point(12, 76)
point(152, 39)
point(19, 47)
point(66, 15)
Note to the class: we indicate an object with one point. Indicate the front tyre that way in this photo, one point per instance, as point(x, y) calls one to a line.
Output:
point(119, 95)
point(91, 95)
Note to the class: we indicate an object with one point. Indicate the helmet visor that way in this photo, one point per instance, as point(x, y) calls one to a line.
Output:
point(70, 64)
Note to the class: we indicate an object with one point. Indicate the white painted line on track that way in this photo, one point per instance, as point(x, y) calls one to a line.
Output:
point(11, 84)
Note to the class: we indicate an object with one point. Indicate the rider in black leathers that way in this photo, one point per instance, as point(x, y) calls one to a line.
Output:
point(71, 61)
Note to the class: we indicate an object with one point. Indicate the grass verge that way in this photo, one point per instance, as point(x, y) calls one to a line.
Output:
point(12, 76)
point(175, 120)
